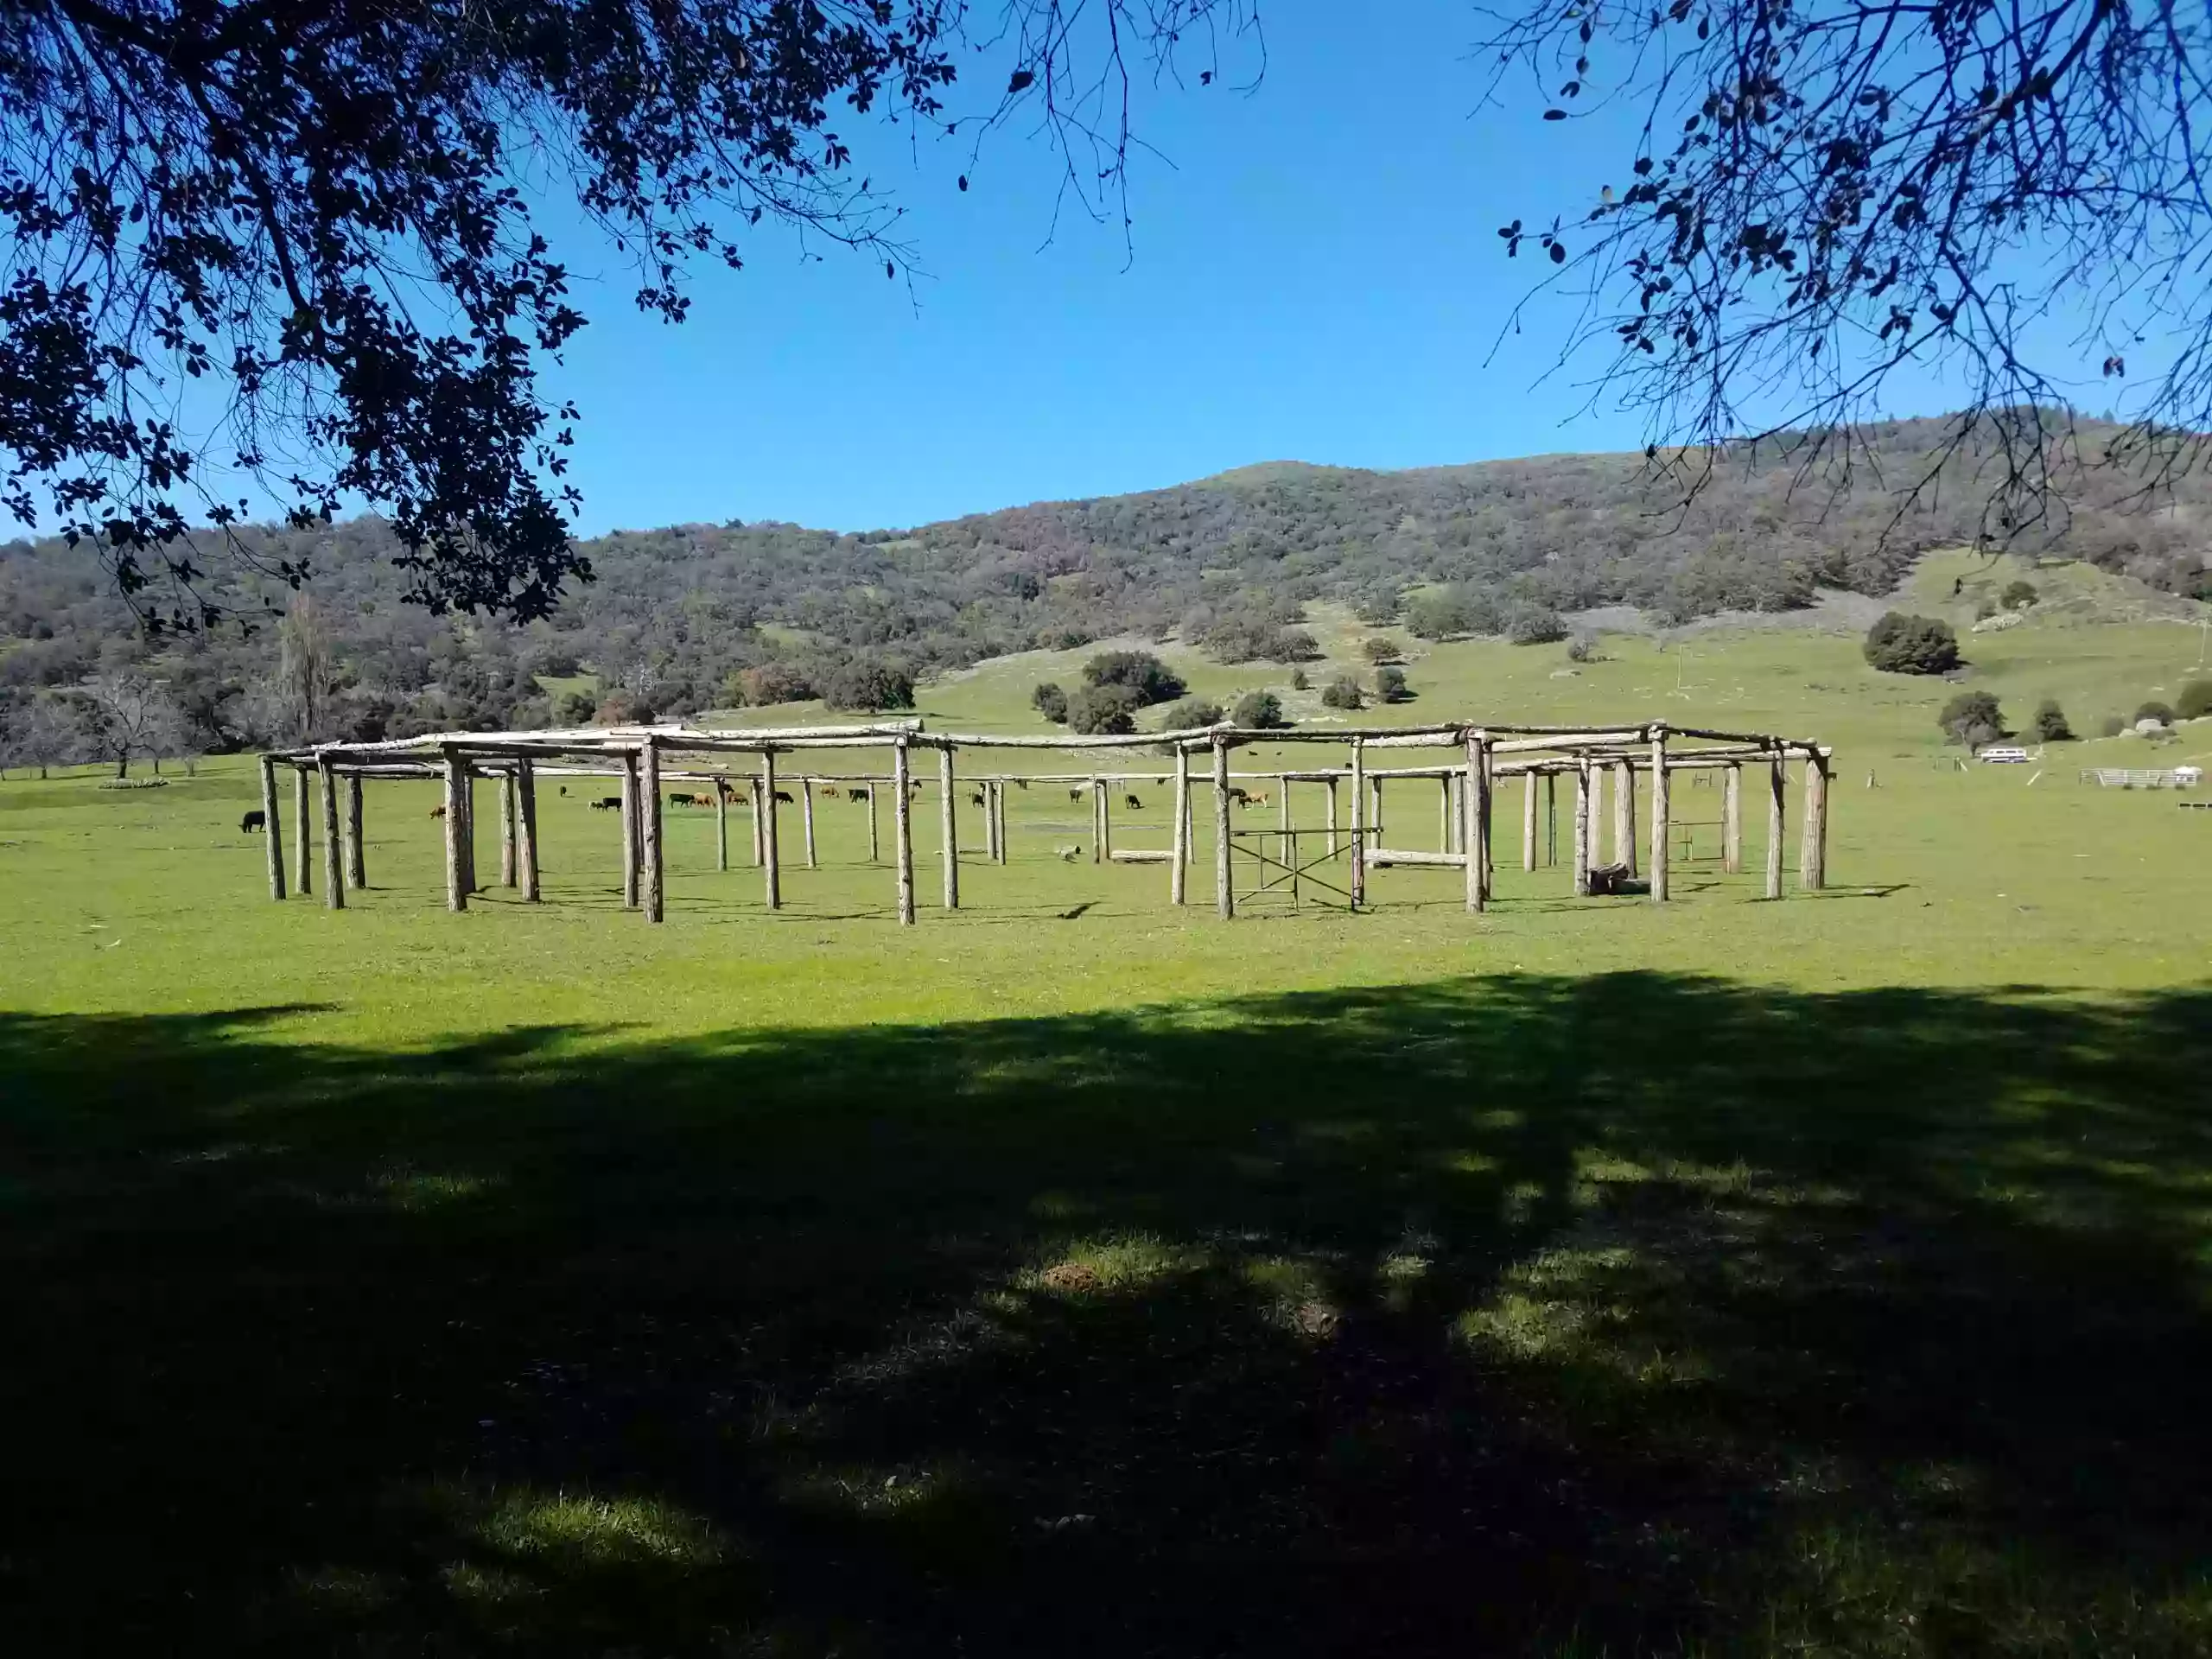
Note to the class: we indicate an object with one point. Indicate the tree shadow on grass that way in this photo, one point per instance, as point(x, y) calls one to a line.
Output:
point(1621, 1314)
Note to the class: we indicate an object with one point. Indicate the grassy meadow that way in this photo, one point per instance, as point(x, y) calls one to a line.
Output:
point(1069, 1275)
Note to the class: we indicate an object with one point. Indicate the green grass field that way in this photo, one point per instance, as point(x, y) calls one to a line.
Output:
point(1069, 1275)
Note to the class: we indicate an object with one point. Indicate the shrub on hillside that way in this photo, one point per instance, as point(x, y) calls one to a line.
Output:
point(2050, 722)
point(1142, 672)
point(1050, 702)
point(1343, 692)
point(1379, 651)
point(773, 682)
point(1582, 649)
point(1912, 644)
point(572, 708)
point(2111, 726)
point(1391, 684)
point(1972, 718)
point(1441, 615)
point(1191, 713)
point(868, 685)
point(1261, 710)
point(2155, 710)
point(2017, 596)
point(1095, 710)
point(1534, 625)
point(1299, 681)
point(2195, 700)
point(1251, 639)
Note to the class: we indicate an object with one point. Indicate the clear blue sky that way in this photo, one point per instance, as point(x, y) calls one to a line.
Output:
point(1318, 276)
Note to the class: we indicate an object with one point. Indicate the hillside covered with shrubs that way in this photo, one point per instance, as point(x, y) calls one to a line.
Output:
point(710, 616)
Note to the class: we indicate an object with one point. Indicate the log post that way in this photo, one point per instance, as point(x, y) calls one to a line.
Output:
point(1225, 897)
point(649, 798)
point(1287, 844)
point(1358, 883)
point(302, 836)
point(759, 817)
point(875, 846)
point(457, 872)
point(770, 863)
point(1005, 849)
point(507, 828)
point(902, 830)
point(1106, 822)
point(468, 826)
point(527, 815)
point(1778, 786)
point(948, 826)
point(1444, 814)
point(1529, 820)
point(1661, 790)
point(629, 832)
point(1624, 814)
point(1474, 831)
point(272, 828)
point(1732, 818)
point(357, 857)
point(1178, 859)
point(333, 852)
point(1813, 854)
point(1551, 819)
point(721, 824)
point(806, 807)
point(1380, 840)
point(1097, 828)
point(1582, 826)
point(1332, 820)
point(990, 802)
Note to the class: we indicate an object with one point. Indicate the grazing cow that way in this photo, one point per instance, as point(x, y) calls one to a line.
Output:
point(859, 794)
point(1257, 800)
point(784, 798)
point(607, 804)
point(1069, 854)
point(564, 788)
point(254, 820)
point(1021, 783)
point(1134, 804)
point(974, 800)
point(437, 812)
point(1240, 797)
point(1075, 794)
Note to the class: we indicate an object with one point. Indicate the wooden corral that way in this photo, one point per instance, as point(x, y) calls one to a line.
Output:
point(640, 762)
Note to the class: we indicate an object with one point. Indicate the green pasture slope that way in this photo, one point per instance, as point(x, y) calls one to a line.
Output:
point(1070, 1275)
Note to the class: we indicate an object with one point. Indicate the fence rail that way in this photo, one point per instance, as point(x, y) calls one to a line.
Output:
point(2123, 778)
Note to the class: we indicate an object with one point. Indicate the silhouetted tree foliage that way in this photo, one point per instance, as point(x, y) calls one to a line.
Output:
point(2050, 725)
point(1191, 713)
point(2163, 713)
point(1820, 192)
point(2194, 702)
point(1050, 702)
point(868, 687)
point(323, 210)
point(1898, 644)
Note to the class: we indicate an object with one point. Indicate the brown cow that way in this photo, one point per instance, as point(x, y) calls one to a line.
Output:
point(437, 812)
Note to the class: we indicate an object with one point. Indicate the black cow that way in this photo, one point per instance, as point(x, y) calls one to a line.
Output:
point(1136, 805)
point(254, 820)
point(974, 800)
point(1075, 794)
point(564, 788)
point(607, 804)
point(784, 798)
point(860, 794)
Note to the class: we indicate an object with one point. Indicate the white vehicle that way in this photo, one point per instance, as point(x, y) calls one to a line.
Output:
point(2000, 755)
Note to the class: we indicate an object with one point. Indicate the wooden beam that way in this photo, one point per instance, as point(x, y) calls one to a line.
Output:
point(1731, 819)
point(1813, 854)
point(1178, 866)
point(1106, 819)
point(902, 831)
point(1778, 778)
point(1661, 792)
point(1625, 815)
point(527, 815)
point(357, 858)
point(771, 860)
point(507, 830)
point(468, 826)
point(649, 799)
point(1225, 897)
point(948, 828)
point(1551, 819)
point(333, 853)
point(629, 832)
point(1383, 857)
point(1529, 821)
point(1444, 814)
point(722, 824)
point(1581, 870)
point(1474, 839)
point(272, 828)
point(302, 835)
point(1330, 821)
point(760, 824)
point(1358, 882)
point(806, 799)
point(456, 871)
point(1287, 847)
point(875, 846)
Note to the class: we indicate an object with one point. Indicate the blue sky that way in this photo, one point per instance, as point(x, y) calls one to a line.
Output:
point(1316, 277)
